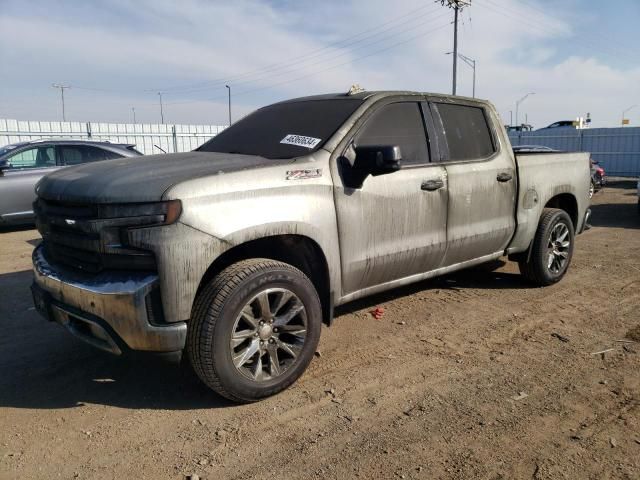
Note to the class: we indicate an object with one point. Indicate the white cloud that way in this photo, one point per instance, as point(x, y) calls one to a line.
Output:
point(131, 47)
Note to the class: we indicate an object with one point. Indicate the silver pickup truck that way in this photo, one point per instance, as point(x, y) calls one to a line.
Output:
point(238, 251)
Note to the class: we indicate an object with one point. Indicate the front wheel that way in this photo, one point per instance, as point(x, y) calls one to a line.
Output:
point(551, 250)
point(254, 329)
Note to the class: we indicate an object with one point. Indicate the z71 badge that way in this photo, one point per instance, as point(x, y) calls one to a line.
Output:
point(303, 174)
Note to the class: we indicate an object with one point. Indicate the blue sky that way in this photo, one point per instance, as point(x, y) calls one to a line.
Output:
point(578, 56)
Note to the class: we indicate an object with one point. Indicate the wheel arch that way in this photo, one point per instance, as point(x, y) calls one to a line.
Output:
point(297, 250)
point(566, 202)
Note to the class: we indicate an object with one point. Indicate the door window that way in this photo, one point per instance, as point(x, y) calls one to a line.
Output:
point(37, 157)
point(397, 124)
point(467, 132)
point(77, 154)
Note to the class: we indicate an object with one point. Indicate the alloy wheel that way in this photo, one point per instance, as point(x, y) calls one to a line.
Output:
point(268, 334)
point(558, 248)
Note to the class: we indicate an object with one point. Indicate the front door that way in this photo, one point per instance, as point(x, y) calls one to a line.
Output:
point(395, 225)
point(17, 182)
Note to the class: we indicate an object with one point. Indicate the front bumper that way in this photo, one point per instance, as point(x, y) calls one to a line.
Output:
point(109, 310)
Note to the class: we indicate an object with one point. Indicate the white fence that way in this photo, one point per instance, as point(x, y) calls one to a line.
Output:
point(148, 138)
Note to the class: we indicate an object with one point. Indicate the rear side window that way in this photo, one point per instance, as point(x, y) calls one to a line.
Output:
point(397, 124)
point(467, 132)
point(77, 154)
point(71, 155)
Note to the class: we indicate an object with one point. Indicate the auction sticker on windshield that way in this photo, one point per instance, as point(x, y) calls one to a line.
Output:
point(300, 141)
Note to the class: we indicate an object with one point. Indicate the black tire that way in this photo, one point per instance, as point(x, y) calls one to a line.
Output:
point(216, 311)
point(537, 269)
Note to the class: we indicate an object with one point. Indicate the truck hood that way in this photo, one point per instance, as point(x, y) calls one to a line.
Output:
point(140, 179)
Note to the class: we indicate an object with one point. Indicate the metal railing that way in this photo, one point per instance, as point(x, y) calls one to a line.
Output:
point(148, 138)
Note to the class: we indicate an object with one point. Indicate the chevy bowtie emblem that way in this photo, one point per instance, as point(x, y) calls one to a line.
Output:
point(68, 221)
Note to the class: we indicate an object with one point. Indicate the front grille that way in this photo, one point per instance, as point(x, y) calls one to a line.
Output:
point(79, 237)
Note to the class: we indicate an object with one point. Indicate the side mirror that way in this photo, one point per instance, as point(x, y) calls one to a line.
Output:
point(378, 159)
point(371, 160)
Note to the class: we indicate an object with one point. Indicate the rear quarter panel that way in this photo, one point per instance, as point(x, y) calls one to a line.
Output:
point(542, 177)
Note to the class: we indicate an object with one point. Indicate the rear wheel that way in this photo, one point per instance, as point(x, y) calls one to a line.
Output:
point(592, 189)
point(254, 329)
point(551, 250)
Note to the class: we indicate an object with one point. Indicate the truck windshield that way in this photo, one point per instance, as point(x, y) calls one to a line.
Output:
point(284, 130)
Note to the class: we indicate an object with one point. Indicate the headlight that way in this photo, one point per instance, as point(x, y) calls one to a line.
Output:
point(142, 214)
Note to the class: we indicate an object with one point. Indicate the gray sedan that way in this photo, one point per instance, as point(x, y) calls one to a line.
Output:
point(23, 164)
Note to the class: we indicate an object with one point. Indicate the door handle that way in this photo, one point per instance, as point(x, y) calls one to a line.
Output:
point(504, 177)
point(432, 185)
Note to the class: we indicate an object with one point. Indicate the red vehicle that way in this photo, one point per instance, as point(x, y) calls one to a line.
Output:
point(598, 178)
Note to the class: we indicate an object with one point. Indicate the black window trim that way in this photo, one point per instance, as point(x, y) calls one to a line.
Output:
point(442, 140)
point(427, 125)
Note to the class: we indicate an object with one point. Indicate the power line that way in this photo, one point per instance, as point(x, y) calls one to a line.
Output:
point(306, 56)
point(323, 70)
point(288, 70)
point(285, 68)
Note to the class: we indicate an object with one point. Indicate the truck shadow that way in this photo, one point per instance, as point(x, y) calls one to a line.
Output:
point(42, 366)
point(615, 215)
point(482, 276)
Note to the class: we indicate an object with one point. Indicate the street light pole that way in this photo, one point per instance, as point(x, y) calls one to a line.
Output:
point(229, 90)
point(61, 87)
point(472, 63)
point(133, 109)
point(519, 102)
point(161, 111)
point(625, 111)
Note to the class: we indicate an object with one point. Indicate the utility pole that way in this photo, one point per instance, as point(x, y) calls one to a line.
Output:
point(457, 6)
point(511, 118)
point(519, 102)
point(61, 87)
point(229, 89)
point(455, 49)
point(161, 112)
point(133, 109)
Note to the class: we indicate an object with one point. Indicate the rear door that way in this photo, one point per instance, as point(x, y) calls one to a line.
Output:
point(17, 183)
point(395, 225)
point(481, 180)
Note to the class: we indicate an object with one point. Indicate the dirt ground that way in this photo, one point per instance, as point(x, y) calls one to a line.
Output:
point(473, 375)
